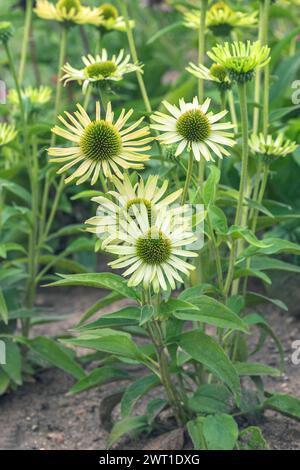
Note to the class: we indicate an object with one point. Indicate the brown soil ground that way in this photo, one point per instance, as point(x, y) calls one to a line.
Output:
point(40, 415)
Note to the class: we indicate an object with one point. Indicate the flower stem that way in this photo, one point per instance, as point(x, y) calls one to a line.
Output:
point(49, 174)
point(133, 52)
point(32, 241)
point(216, 254)
point(242, 91)
point(27, 25)
point(18, 89)
point(62, 58)
point(257, 85)
point(232, 110)
point(187, 178)
point(261, 194)
point(201, 53)
point(201, 45)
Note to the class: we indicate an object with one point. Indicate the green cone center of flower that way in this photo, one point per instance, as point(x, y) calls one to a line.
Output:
point(69, 5)
point(155, 248)
point(137, 202)
point(104, 69)
point(101, 141)
point(194, 126)
point(218, 71)
point(109, 11)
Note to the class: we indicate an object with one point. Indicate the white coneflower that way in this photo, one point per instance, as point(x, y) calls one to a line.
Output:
point(67, 11)
point(271, 149)
point(100, 144)
point(193, 128)
point(110, 20)
point(99, 68)
point(153, 255)
point(241, 59)
point(36, 97)
point(8, 133)
point(126, 199)
point(221, 19)
point(216, 73)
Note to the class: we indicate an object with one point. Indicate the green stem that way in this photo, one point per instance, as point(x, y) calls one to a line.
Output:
point(261, 194)
point(216, 254)
point(87, 97)
point(232, 110)
point(257, 85)
point(201, 45)
point(33, 252)
point(188, 178)
point(242, 91)
point(201, 54)
point(134, 56)
point(18, 89)
point(49, 174)
point(171, 391)
point(264, 27)
point(27, 25)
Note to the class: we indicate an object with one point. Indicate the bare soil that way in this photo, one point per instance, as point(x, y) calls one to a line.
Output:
point(40, 415)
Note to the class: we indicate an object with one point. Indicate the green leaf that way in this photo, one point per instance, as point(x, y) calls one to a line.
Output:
point(220, 432)
point(218, 219)
point(252, 438)
point(109, 341)
point(195, 430)
point(3, 308)
point(163, 31)
point(259, 207)
point(154, 407)
point(260, 322)
point(4, 382)
point(282, 43)
point(254, 298)
point(87, 194)
point(147, 312)
point(6, 247)
point(207, 351)
point(191, 293)
point(126, 426)
point(274, 246)
point(285, 72)
point(284, 404)
point(251, 272)
point(211, 184)
point(210, 398)
point(135, 391)
point(248, 236)
point(13, 364)
point(56, 354)
point(125, 317)
point(266, 263)
point(167, 308)
point(212, 312)
point(98, 377)
point(97, 306)
point(16, 189)
point(252, 369)
point(99, 280)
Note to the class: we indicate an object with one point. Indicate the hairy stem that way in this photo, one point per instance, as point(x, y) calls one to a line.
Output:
point(134, 56)
point(242, 91)
point(188, 178)
point(49, 175)
point(27, 25)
